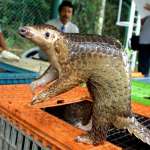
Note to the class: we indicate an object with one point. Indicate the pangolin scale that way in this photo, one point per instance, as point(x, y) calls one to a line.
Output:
point(98, 61)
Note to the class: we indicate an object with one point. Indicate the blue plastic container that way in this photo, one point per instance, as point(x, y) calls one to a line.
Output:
point(15, 75)
point(17, 78)
point(144, 79)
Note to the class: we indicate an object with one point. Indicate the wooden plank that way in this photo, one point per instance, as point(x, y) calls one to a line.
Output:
point(141, 109)
point(15, 105)
point(49, 129)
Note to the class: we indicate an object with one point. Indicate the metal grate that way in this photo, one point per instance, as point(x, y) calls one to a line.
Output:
point(123, 139)
point(119, 137)
point(13, 139)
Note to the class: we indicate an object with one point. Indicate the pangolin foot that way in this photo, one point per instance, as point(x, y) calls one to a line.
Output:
point(87, 139)
point(84, 139)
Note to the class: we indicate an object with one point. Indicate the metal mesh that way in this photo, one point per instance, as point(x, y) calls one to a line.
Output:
point(119, 137)
point(16, 13)
point(123, 138)
point(19, 13)
point(13, 139)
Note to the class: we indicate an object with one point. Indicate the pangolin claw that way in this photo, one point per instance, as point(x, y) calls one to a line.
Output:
point(39, 98)
point(35, 100)
point(83, 139)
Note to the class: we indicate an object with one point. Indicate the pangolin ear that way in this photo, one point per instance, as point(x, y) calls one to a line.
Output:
point(57, 50)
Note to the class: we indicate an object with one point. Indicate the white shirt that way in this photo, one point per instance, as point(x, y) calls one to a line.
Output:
point(145, 32)
point(69, 27)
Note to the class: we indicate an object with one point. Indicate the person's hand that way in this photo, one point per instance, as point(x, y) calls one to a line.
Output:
point(147, 6)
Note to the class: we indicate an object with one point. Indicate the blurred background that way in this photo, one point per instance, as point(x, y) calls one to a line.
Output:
point(91, 16)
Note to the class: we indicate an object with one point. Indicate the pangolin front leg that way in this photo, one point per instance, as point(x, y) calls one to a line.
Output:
point(49, 75)
point(61, 85)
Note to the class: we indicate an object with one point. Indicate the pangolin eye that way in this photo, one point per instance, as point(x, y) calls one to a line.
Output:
point(47, 34)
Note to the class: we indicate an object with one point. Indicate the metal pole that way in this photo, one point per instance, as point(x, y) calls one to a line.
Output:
point(101, 17)
point(119, 11)
point(55, 5)
point(131, 22)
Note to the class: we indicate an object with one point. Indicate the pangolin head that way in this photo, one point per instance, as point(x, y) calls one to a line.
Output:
point(42, 35)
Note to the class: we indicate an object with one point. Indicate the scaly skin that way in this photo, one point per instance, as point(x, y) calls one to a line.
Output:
point(98, 61)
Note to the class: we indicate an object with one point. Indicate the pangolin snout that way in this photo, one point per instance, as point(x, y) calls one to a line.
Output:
point(24, 31)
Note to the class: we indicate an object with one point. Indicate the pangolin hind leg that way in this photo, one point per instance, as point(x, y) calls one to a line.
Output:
point(100, 119)
point(100, 126)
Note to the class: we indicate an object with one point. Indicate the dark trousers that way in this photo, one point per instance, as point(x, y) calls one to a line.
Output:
point(144, 59)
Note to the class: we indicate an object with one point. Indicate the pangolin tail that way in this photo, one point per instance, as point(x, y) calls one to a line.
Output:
point(134, 127)
point(141, 132)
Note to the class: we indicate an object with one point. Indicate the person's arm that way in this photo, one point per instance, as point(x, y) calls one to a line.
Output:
point(3, 45)
point(4, 53)
point(147, 6)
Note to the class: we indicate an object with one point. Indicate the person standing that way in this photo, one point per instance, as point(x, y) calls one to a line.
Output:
point(3, 45)
point(4, 53)
point(144, 41)
point(63, 23)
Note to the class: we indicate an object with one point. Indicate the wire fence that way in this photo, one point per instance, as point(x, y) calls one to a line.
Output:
point(16, 13)
point(21, 12)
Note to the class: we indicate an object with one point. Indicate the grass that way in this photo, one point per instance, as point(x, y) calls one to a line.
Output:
point(141, 92)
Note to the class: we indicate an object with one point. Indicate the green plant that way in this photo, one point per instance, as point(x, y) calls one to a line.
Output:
point(21, 12)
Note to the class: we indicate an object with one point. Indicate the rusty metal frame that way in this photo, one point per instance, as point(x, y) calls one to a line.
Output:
point(48, 130)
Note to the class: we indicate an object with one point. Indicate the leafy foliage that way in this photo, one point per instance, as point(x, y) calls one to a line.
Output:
point(21, 12)
point(87, 15)
point(16, 13)
point(110, 28)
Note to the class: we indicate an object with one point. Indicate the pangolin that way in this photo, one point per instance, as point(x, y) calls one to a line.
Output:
point(98, 61)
